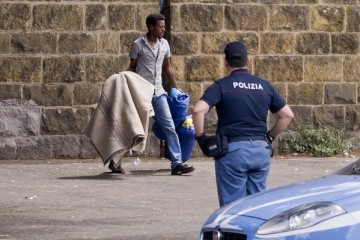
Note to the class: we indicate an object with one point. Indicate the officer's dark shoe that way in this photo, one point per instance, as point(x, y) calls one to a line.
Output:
point(182, 168)
point(117, 169)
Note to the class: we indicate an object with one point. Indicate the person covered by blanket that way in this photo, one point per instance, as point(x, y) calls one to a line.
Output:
point(149, 55)
point(242, 102)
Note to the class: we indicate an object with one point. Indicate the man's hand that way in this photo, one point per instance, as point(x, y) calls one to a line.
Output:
point(202, 141)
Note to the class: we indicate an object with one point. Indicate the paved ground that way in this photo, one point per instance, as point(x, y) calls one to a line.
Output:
point(80, 200)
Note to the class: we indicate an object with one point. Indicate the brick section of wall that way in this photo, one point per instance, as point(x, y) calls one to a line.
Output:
point(56, 55)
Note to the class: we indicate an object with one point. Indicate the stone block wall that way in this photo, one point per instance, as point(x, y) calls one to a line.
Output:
point(56, 54)
point(309, 49)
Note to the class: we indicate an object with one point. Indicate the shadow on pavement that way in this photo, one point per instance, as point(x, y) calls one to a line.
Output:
point(112, 176)
point(147, 172)
point(102, 176)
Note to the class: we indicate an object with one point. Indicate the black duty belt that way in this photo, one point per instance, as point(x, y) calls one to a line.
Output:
point(246, 138)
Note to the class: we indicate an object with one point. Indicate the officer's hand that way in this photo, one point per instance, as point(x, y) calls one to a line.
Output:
point(269, 138)
point(202, 141)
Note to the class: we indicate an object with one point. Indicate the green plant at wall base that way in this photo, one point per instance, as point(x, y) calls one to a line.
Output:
point(321, 142)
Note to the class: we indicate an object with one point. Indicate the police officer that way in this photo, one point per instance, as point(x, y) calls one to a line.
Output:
point(242, 101)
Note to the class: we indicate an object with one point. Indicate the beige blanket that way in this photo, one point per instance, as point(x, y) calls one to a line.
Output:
point(121, 119)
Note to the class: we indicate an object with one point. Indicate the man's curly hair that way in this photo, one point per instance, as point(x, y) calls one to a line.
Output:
point(152, 19)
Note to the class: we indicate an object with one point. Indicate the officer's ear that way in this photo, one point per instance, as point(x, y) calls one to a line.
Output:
point(248, 61)
point(226, 63)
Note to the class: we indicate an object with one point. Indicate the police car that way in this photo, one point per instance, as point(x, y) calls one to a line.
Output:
point(326, 208)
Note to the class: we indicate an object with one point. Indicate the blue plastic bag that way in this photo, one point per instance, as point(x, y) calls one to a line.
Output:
point(178, 103)
point(186, 134)
point(157, 131)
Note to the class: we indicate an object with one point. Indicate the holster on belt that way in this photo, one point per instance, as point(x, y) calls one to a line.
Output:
point(217, 146)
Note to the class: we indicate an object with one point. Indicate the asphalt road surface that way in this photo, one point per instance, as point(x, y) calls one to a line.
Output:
point(70, 199)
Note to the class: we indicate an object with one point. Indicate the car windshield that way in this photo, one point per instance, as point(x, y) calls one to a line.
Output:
point(351, 169)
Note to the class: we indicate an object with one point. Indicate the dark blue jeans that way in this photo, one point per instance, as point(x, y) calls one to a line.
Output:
point(165, 122)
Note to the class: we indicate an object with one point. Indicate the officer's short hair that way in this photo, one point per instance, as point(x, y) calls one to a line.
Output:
point(236, 54)
point(152, 19)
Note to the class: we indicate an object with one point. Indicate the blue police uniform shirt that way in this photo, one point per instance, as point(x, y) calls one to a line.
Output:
point(242, 102)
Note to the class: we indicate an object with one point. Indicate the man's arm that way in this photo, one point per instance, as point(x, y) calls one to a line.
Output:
point(132, 65)
point(284, 117)
point(170, 72)
point(198, 114)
